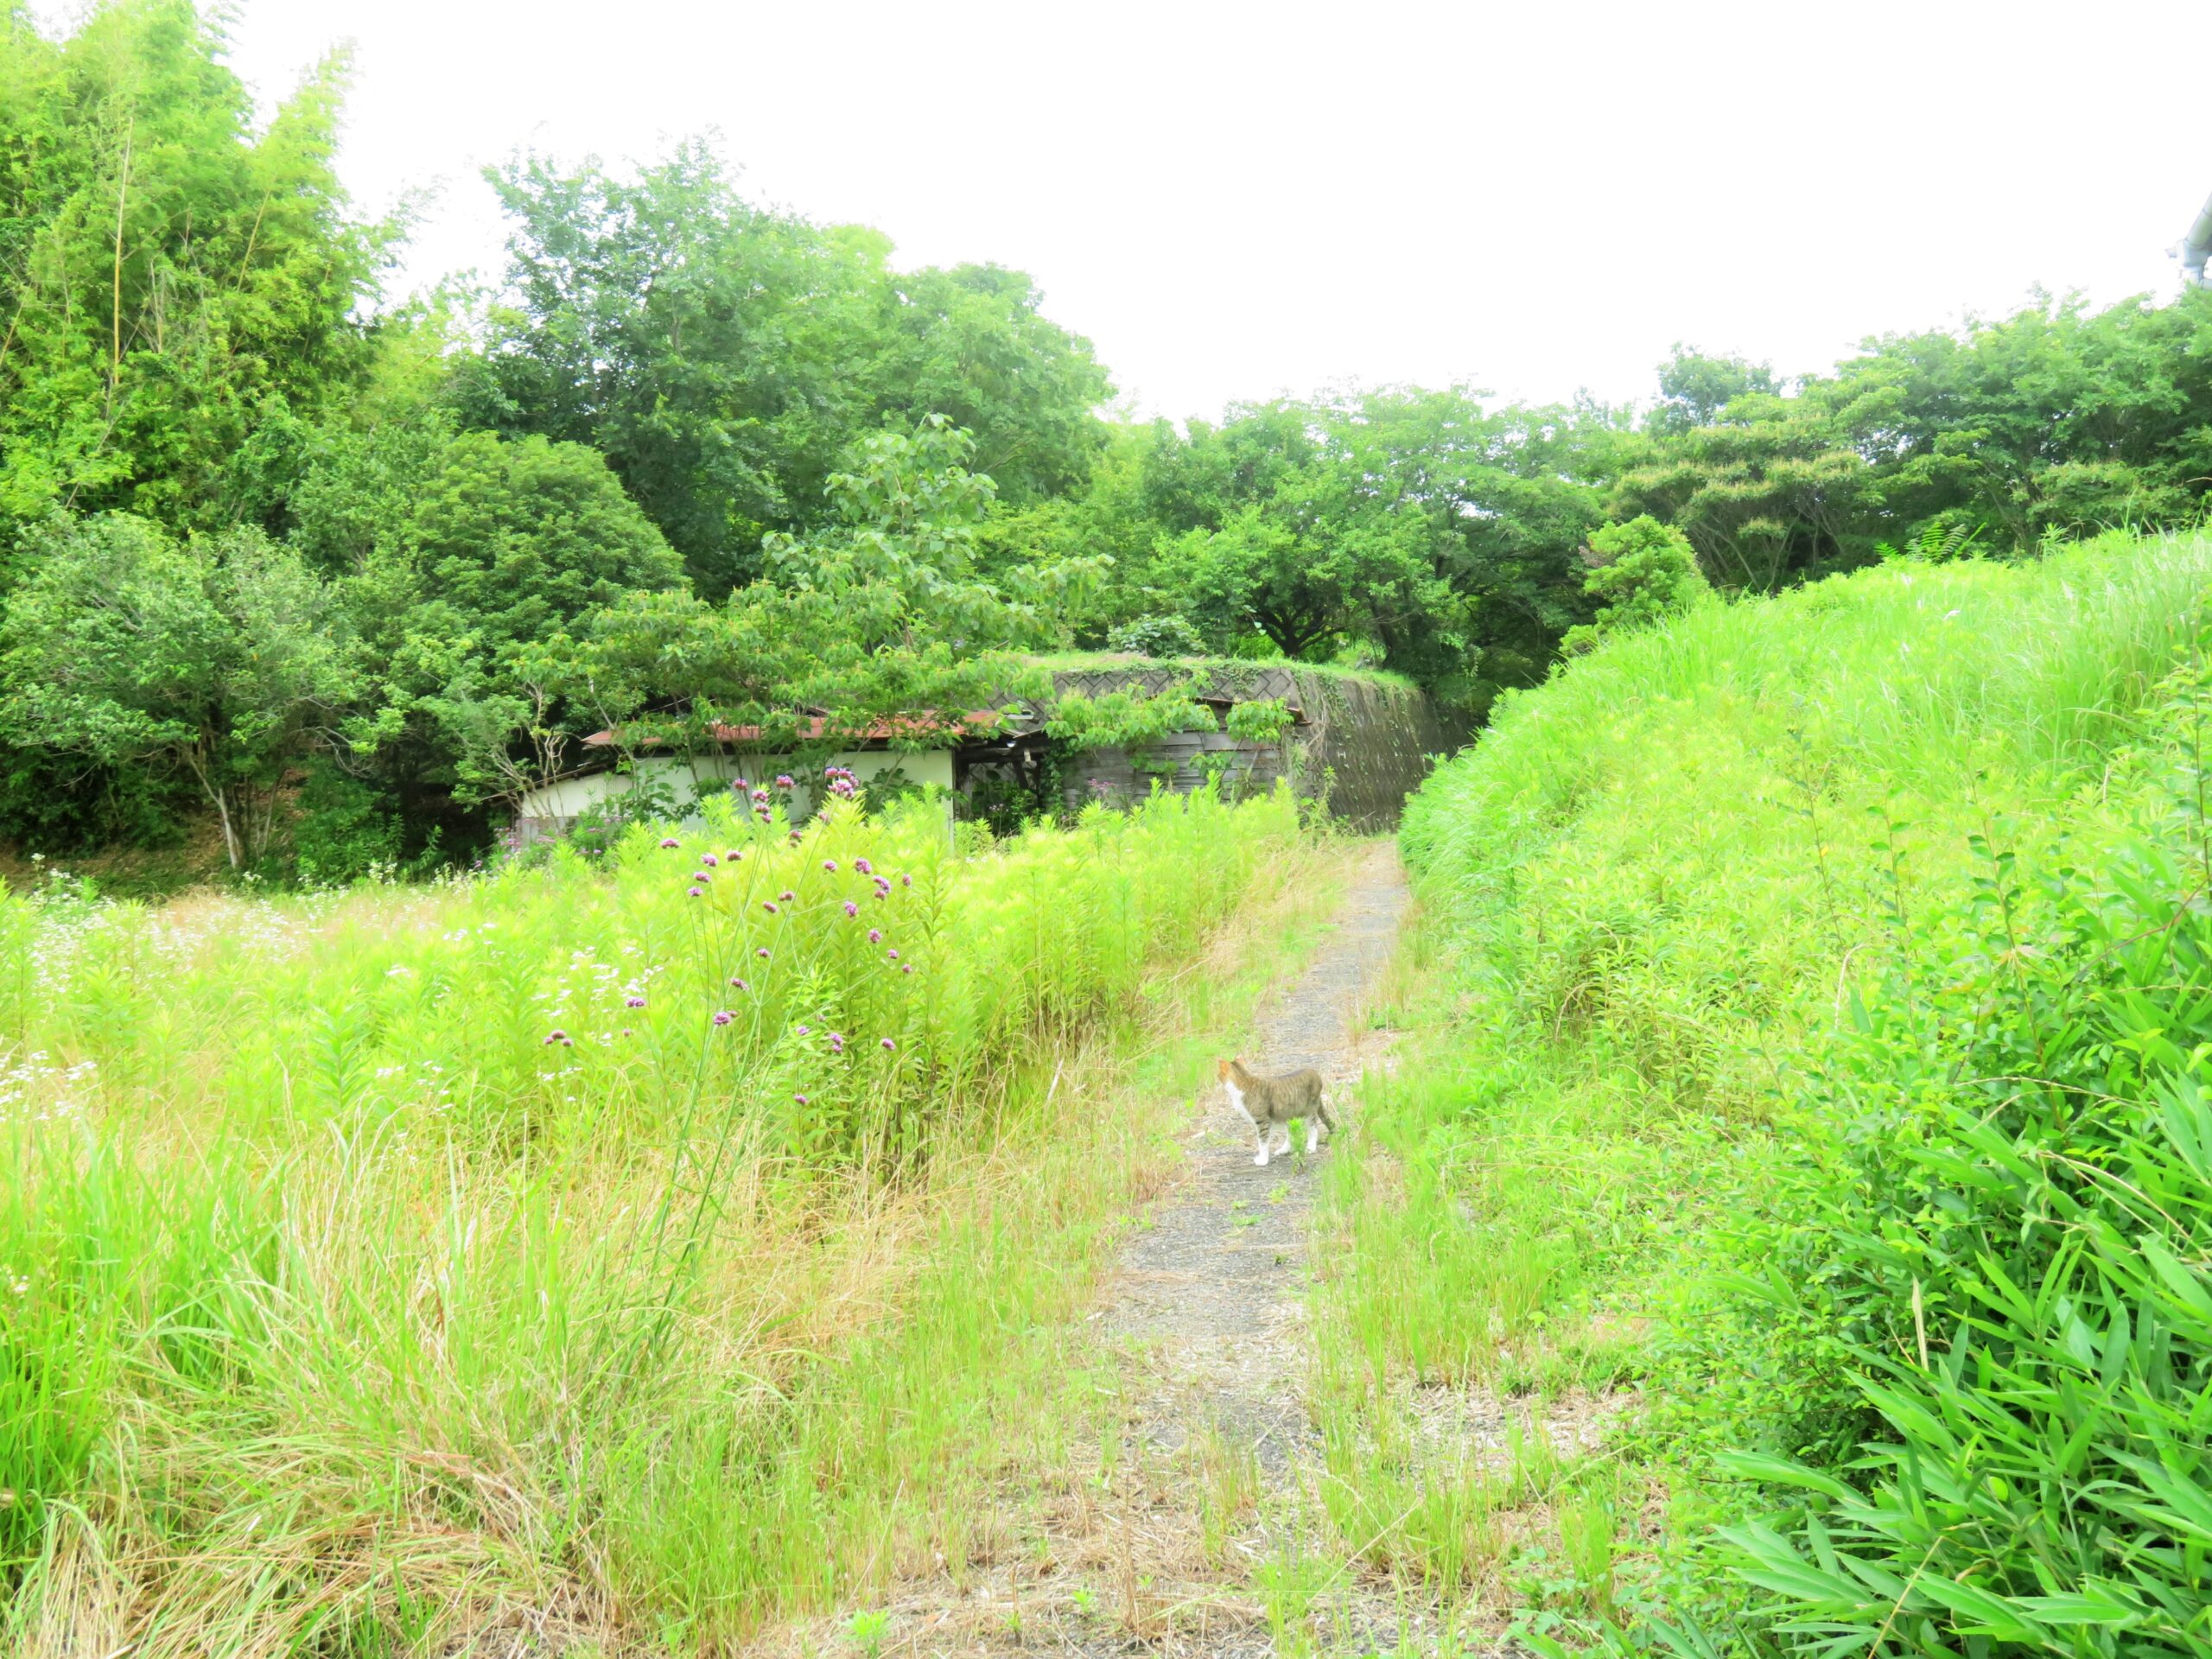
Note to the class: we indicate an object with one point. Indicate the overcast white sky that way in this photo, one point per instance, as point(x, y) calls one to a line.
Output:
point(1232, 200)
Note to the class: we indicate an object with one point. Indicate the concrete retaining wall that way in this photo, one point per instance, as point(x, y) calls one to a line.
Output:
point(1366, 743)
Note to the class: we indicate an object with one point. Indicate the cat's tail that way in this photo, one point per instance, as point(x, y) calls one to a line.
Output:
point(1321, 1102)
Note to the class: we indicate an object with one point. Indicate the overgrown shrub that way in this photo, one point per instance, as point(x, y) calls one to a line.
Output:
point(345, 829)
point(1157, 636)
point(1645, 572)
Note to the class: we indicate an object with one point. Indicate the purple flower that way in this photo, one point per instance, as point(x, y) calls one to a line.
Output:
point(696, 892)
point(707, 859)
point(768, 905)
point(762, 953)
point(851, 909)
point(892, 954)
point(890, 1047)
point(703, 875)
point(863, 867)
point(733, 857)
point(875, 935)
point(797, 835)
point(634, 1002)
point(760, 795)
point(905, 967)
point(906, 880)
point(837, 1043)
point(883, 882)
point(803, 1030)
point(723, 1016)
point(739, 985)
point(739, 785)
point(831, 865)
point(783, 781)
point(787, 895)
point(668, 842)
point(556, 1035)
point(626, 1031)
point(800, 1099)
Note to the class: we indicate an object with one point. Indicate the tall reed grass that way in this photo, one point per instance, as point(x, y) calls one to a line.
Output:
point(635, 1248)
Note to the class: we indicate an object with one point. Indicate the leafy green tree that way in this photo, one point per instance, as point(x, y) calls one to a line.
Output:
point(1644, 572)
point(1435, 533)
point(167, 273)
point(458, 555)
point(900, 558)
point(723, 357)
point(1769, 493)
point(971, 343)
point(1508, 496)
point(1695, 390)
point(1107, 520)
point(879, 619)
point(2051, 422)
point(223, 657)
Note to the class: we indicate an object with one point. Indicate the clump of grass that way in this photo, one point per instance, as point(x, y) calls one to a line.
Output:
point(378, 1265)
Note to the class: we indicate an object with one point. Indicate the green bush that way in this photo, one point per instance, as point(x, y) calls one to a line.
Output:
point(1645, 572)
point(346, 830)
point(1157, 636)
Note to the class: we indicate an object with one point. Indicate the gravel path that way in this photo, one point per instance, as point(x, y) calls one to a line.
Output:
point(1169, 1554)
point(1213, 1290)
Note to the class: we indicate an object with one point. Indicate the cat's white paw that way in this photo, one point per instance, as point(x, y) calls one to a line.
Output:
point(1260, 1159)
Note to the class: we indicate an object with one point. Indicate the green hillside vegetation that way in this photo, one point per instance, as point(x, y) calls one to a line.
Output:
point(685, 458)
point(1783, 1222)
point(1813, 1044)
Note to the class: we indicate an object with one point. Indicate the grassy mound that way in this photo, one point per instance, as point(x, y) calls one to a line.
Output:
point(1762, 942)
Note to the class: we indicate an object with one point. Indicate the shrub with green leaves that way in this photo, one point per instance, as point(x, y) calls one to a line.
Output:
point(1259, 719)
point(1157, 636)
point(1645, 572)
point(1129, 719)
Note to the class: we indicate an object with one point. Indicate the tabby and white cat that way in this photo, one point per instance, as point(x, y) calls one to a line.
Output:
point(1267, 1102)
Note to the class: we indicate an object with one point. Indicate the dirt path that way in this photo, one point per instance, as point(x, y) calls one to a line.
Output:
point(1190, 1541)
point(1212, 1292)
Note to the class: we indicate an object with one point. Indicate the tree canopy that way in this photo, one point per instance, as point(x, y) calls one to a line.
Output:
point(689, 458)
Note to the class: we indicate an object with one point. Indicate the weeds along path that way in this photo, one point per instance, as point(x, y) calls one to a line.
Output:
point(1178, 1524)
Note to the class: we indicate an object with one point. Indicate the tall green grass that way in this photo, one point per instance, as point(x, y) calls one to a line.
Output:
point(1649, 891)
point(646, 1248)
point(1951, 1372)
